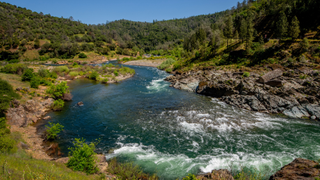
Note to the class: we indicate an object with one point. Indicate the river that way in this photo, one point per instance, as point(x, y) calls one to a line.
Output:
point(172, 132)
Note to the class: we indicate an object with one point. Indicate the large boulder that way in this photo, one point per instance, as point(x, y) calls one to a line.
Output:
point(221, 174)
point(270, 75)
point(299, 169)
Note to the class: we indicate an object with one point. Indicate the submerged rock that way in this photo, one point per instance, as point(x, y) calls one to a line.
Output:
point(298, 169)
point(80, 103)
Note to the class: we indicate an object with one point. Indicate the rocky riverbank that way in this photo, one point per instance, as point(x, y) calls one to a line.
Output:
point(302, 169)
point(273, 89)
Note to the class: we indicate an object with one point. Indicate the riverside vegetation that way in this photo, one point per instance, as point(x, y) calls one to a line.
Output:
point(223, 54)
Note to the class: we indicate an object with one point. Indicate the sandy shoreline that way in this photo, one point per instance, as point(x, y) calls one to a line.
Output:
point(148, 63)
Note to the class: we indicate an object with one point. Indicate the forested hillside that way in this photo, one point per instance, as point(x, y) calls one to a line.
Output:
point(27, 35)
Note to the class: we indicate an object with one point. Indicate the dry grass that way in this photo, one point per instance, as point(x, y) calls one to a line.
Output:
point(14, 80)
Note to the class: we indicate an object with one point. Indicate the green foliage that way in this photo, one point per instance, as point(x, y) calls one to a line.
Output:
point(14, 68)
point(82, 55)
point(126, 70)
point(169, 70)
point(116, 73)
point(53, 130)
point(42, 72)
point(127, 170)
point(35, 82)
point(7, 94)
point(57, 91)
point(58, 105)
point(190, 177)
point(246, 74)
point(27, 75)
point(61, 69)
point(94, 75)
point(166, 63)
point(294, 29)
point(304, 44)
point(73, 73)
point(282, 25)
point(82, 157)
point(7, 143)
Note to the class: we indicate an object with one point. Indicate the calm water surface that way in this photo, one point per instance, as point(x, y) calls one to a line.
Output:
point(173, 133)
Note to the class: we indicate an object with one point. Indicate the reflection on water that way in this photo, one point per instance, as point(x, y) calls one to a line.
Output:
point(173, 133)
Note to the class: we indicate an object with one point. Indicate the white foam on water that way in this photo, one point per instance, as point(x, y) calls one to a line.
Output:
point(157, 85)
point(192, 126)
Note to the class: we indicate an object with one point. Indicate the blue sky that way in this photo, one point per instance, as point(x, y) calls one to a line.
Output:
point(99, 11)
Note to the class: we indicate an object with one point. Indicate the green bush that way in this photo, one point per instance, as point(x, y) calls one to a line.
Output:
point(35, 82)
point(94, 75)
point(7, 143)
point(82, 55)
point(73, 73)
point(58, 105)
point(43, 72)
point(82, 157)
point(7, 94)
point(61, 69)
point(14, 68)
point(126, 70)
point(246, 74)
point(57, 91)
point(53, 130)
point(115, 72)
point(167, 63)
point(105, 80)
point(27, 75)
point(190, 177)
point(53, 75)
point(169, 70)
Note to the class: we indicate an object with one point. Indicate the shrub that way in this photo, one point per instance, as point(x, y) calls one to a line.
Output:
point(14, 68)
point(53, 130)
point(61, 69)
point(43, 72)
point(73, 73)
point(35, 82)
point(82, 55)
point(166, 63)
point(58, 105)
point(105, 80)
point(7, 143)
point(246, 74)
point(7, 94)
point(27, 75)
point(190, 177)
point(53, 75)
point(94, 75)
point(168, 70)
point(57, 91)
point(82, 157)
point(116, 73)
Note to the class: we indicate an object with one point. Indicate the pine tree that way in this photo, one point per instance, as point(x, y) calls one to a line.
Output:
point(243, 29)
point(236, 35)
point(282, 26)
point(294, 29)
point(228, 31)
point(249, 34)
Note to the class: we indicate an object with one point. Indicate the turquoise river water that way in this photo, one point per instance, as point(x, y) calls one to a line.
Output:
point(172, 132)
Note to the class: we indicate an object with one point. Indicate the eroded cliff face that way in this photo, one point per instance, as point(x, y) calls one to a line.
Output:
point(28, 113)
point(295, 94)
